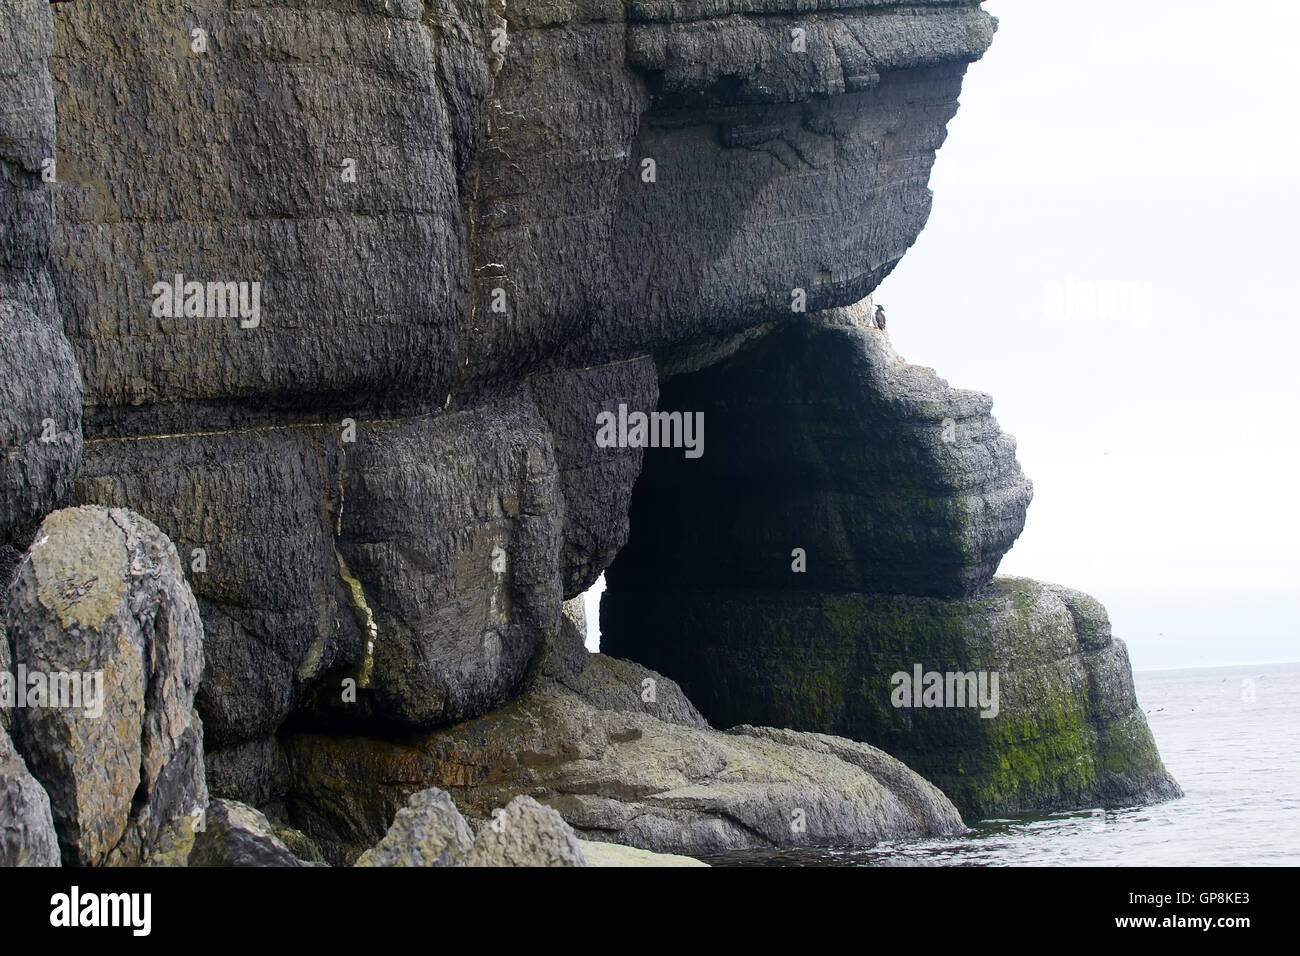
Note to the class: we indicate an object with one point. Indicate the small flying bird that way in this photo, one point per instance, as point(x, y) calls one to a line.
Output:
point(880, 317)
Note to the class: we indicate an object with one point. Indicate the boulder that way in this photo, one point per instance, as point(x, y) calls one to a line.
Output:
point(234, 834)
point(525, 833)
point(605, 682)
point(101, 616)
point(428, 831)
point(417, 558)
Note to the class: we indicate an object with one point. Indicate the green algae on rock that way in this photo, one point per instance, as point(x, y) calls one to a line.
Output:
point(1068, 731)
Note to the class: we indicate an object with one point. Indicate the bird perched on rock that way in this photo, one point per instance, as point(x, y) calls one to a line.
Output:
point(880, 317)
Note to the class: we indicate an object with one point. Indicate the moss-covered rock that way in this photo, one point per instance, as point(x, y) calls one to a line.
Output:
point(1066, 730)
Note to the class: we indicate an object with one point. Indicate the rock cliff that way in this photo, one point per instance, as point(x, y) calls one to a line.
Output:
point(335, 293)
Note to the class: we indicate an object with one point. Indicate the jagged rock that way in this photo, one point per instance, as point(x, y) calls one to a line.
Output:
point(40, 385)
point(27, 835)
point(1067, 730)
point(622, 776)
point(525, 833)
point(233, 834)
point(101, 604)
point(428, 831)
point(612, 854)
point(229, 833)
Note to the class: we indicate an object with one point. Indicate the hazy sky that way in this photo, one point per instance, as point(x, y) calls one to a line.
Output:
point(1113, 256)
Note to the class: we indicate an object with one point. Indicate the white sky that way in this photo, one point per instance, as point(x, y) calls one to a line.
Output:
point(1143, 153)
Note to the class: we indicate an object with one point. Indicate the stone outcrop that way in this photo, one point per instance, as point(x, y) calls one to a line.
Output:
point(428, 831)
point(414, 270)
point(620, 775)
point(861, 542)
point(100, 614)
point(227, 833)
point(40, 385)
point(416, 557)
point(525, 833)
point(1067, 732)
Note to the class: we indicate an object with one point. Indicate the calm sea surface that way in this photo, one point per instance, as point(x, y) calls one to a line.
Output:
point(1231, 738)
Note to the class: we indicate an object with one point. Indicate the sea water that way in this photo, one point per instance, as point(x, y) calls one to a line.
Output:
point(1231, 738)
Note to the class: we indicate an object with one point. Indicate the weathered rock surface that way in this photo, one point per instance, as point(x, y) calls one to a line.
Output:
point(251, 514)
point(27, 835)
point(238, 835)
point(299, 844)
point(1067, 732)
point(40, 385)
point(475, 171)
point(100, 609)
point(229, 163)
point(622, 776)
point(418, 558)
point(428, 831)
point(525, 833)
point(255, 772)
point(227, 833)
point(875, 506)
point(595, 483)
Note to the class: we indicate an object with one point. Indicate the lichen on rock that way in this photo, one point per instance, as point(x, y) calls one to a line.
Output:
point(100, 611)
